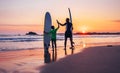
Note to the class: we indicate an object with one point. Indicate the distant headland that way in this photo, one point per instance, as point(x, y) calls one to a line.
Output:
point(31, 33)
point(80, 33)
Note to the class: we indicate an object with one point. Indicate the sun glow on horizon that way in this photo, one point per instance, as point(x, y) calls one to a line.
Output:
point(17, 16)
point(83, 29)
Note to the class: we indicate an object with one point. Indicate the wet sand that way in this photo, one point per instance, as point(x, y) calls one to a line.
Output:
point(24, 61)
point(102, 59)
point(29, 61)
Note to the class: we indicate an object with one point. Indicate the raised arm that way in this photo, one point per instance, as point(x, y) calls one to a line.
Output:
point(60, 23)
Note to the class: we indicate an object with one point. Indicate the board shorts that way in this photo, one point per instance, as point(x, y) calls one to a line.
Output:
point(68, 34)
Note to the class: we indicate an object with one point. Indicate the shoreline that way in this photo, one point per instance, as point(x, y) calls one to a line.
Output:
point(82, 44)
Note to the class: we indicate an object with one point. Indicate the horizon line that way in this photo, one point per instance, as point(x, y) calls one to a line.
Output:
point(21, 25)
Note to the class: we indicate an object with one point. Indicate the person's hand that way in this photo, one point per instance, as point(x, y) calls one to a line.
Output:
point(43, 31)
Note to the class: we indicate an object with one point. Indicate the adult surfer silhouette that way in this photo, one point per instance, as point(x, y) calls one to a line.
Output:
point(68, 32)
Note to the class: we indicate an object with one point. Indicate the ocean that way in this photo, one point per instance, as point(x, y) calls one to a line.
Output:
point(21, 42)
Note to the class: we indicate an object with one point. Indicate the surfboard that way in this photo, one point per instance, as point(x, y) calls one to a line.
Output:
point(47, 28)
point(70, 17)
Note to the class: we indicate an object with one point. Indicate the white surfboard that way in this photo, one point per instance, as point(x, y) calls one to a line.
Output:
point(47, 28)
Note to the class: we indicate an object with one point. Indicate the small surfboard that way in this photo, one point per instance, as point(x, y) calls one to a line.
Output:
point(70, 16)
point(47, 28)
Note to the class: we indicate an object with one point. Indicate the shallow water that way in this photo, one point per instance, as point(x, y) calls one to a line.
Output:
point(18, 42)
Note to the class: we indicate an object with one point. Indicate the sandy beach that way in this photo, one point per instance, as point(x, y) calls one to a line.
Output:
point(101, 59)
point(24, 61)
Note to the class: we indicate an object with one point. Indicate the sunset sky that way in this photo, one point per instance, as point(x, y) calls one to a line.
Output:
point(21, 16)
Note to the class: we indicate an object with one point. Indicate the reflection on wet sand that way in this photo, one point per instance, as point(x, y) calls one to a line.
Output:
point(54, 55)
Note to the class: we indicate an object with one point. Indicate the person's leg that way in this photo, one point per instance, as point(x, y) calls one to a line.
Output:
point(71, 39)
point(65, 43)
point(52, 45)
point(55, 44)
point(55, 53)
